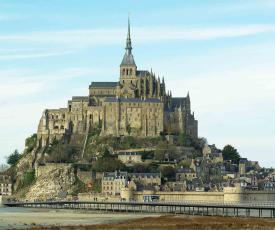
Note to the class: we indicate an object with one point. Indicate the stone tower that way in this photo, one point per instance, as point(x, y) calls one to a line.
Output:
point(128, 66)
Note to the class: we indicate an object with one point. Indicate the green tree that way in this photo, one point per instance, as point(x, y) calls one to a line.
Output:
point(28, 178)
point(30, 143)
point(185, 163)
point(230, 153)
point(13, 158)
point(168, 172)
point(62, 153)
point(108, 164)
point(161, 150)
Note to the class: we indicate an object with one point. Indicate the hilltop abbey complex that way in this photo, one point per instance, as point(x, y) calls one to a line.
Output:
point(136, 105)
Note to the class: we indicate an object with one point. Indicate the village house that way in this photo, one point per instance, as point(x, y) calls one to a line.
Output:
point(184, 174)
point(113, 182)
point(144, 180)
point(129, 156)
point(5, 185)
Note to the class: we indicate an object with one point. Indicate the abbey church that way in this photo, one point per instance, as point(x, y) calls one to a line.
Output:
point(137, 105)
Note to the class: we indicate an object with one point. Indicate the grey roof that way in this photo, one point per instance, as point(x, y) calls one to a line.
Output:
point(128, 59)
point(129, 154)
point(179, 101)
point(142, 73)
point(138, 100)
point(155, 175)
point(80, 98)
point(116, 174)
point(104, 84)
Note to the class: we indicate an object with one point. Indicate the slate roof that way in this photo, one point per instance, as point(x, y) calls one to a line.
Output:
point(142, 73)
point(138, 100)
point(145, 175)
point(104, 84)
point(114, 175)
point(128, 59)
point(80, 98)
point(179, 101)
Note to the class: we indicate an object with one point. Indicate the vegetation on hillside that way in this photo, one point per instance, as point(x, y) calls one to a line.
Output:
point(230, 153)
point(107, 163)
point(60, 151)
point(30, 143)
point(13, 158)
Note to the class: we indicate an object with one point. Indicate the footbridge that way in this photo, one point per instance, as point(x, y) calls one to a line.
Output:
point(260, 210)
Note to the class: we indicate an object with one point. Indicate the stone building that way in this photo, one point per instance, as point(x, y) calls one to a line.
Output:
point(130, 157)
point(145, 179)
point(184, 174)
point(113, 182)
point(5, 185)
point(136, 105)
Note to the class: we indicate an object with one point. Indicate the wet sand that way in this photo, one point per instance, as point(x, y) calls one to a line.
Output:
point(181, 222)
point(28, 218)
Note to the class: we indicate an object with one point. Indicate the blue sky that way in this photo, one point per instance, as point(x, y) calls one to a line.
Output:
point(223, 52)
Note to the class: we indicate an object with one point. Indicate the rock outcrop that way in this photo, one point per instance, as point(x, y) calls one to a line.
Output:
point(51, 180)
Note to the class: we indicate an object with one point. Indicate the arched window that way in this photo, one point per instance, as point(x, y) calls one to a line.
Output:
point(123, 72)
point(130, 71)
point(61, 127)
point(127, 71)
point(56, 127)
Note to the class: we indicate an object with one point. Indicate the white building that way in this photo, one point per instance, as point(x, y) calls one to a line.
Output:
point(5, 185)
point(113, 182)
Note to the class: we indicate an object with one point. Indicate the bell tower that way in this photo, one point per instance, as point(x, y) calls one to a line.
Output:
point(128, 66)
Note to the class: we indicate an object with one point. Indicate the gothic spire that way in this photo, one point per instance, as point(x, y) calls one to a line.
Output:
point(128, 58)
point(128, 40)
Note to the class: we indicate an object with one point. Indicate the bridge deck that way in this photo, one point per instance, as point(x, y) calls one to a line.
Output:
point(191, 208)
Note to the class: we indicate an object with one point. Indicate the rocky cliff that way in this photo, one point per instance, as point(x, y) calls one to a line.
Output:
point(51, 180)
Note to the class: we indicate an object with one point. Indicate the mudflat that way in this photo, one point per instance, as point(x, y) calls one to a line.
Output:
point(19, 218)
point(179, 222)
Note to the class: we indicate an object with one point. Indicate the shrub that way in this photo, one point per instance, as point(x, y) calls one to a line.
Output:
point(13, 158)
point(28, 178)
point(30, 143)
point(107, 164)
point(168, 172)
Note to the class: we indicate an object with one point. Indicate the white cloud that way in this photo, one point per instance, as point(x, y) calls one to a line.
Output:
point(20, 89)
point(142, 34)
point(9, 57)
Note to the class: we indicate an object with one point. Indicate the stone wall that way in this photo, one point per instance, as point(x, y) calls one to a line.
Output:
point(229, 195)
